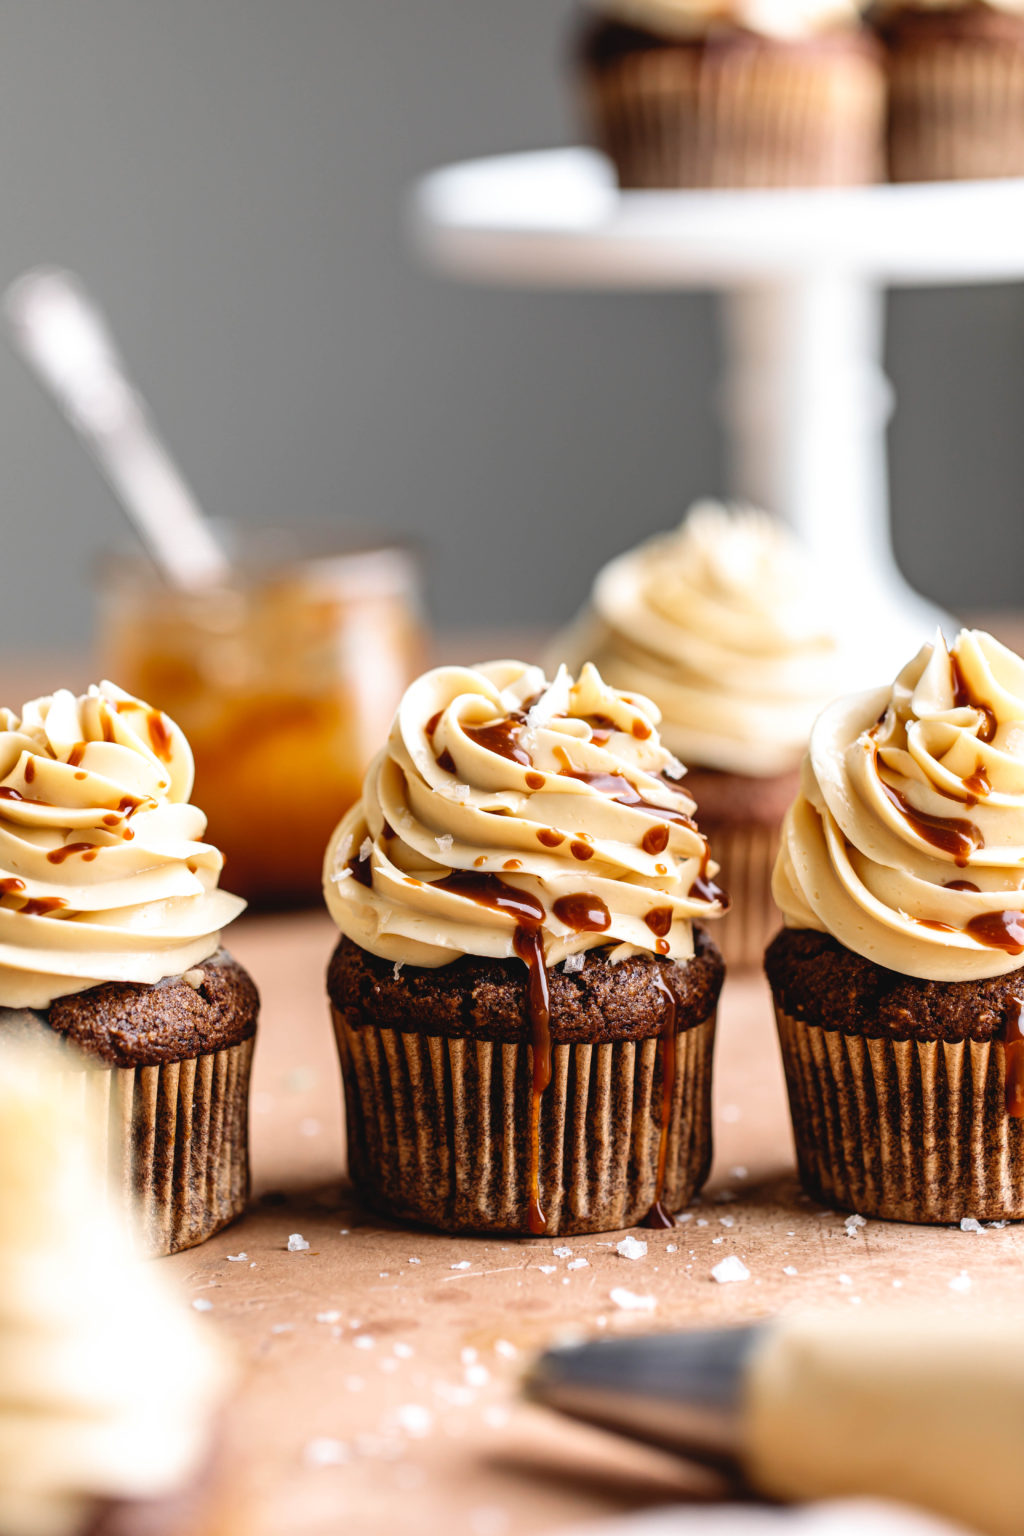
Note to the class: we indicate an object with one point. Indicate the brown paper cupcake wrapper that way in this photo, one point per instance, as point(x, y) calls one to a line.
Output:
point(438, 1129)
point(739, 117)
point(176, 1144)
point(905, 1129)
point(746, 856)
point(956, 112)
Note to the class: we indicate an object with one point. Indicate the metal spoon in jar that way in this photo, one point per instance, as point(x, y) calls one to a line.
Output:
point(61, 335)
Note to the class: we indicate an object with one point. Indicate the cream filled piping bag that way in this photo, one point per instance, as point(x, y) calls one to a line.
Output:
point(928, 1409)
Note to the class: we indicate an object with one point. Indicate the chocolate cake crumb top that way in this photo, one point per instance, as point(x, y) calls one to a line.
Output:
point(128, 1024)
point(818, 980)
point(488, 999)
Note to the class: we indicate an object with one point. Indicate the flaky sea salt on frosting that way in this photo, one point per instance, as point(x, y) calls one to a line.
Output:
point(723, 623)
point(771, 18)
point(103, 872)
point(505, 804)
point(906, 842)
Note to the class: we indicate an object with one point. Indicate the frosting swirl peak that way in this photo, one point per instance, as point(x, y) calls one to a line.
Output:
point(906, 841)
point(721, 624)
point(503, 802)
point(103, 874)
point(771, 18)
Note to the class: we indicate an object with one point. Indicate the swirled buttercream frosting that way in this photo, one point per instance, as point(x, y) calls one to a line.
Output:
point(771, 18)
point(107, 1385)
point(505, 805)
point(103, 872)
point(722, 624)
point(906, 841)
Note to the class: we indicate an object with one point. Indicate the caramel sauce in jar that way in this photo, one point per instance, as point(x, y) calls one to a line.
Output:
point(285, 683)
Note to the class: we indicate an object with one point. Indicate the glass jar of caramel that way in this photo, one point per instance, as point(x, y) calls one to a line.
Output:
point(284, 681)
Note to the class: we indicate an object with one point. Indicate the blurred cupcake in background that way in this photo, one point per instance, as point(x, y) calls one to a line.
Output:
point(956, 87)
point(112, 1394)
point(726, 624)
point(899, 976)
point(110, 939)
point(733, 93)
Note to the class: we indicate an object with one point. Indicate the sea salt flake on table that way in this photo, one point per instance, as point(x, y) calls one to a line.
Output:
point(726, 1221)
point(477, 1376)
point(364, 1341)
point(562, 1253)
point(630, 1302)
point(716, 1240)
point(960, 1282)
point(845, 1280)
point(729, 1270)
point(790, 1269)
point(235, 1258)
point(631, 1248)
point(547, 1269)
point(403, 1350)
point(739, 1172)
point(853, 1224)
point(671, 1248)
point(414, 1419)
point(578, 1264)
point(970, 1224)
point(505, 1349)
point(702, 1221)
point(297, 1243)
point(324, 1452)
point(468, 1356)
point(462, 1264)
point(201, 1304)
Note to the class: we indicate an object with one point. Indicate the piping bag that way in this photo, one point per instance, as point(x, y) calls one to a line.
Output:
point(924, 1408)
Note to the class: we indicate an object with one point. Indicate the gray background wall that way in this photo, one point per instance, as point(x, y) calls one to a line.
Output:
point(228, 175)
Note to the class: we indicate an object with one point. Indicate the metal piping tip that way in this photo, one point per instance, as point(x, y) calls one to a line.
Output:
point(679, 1391)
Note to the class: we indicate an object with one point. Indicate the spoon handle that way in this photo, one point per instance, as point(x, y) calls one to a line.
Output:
point(63, 338)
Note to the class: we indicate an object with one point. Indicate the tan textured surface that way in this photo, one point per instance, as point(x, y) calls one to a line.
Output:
point(485, 1466)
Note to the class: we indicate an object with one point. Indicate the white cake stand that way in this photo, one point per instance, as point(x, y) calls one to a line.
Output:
point(806, 400)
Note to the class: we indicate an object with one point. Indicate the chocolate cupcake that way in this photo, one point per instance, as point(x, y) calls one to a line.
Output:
point(956, 88)
point(524, 1009)
point(898, 979)
point(110, 923)
point(733, 93)
point(721, 624)
point(112, 1395)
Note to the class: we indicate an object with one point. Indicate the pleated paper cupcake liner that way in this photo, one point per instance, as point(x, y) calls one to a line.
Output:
point(742, 116)
point(956, 111)
point(904, 1129)
point(746, 854)
point(439, 1129)
point(176, 1144)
